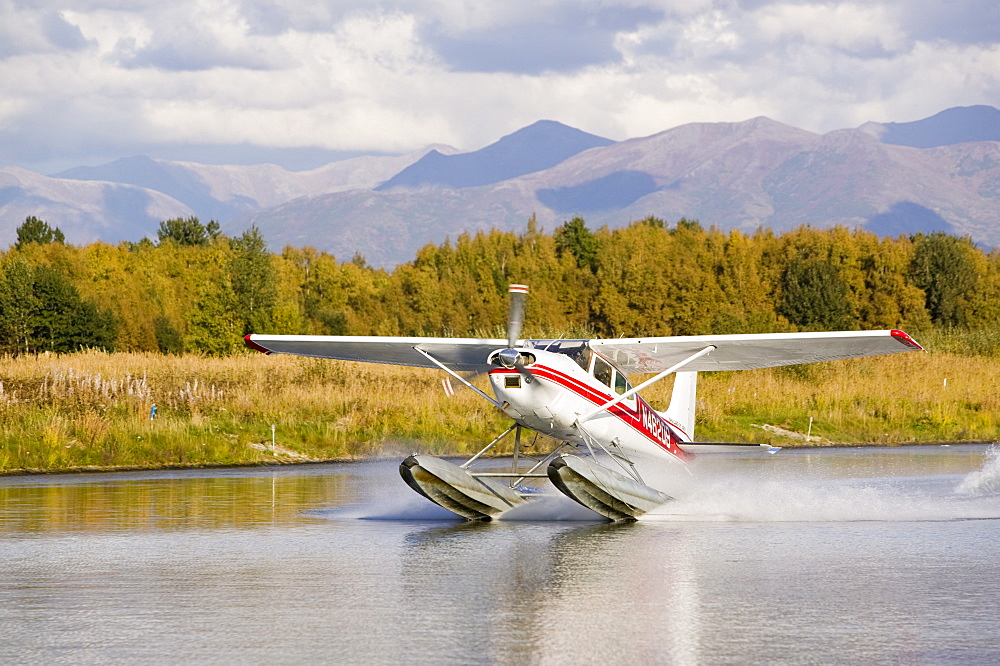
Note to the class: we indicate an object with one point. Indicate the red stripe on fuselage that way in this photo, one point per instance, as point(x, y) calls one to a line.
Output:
point(631, 417)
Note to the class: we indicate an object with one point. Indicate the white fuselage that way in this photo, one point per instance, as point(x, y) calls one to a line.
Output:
point(552, 391)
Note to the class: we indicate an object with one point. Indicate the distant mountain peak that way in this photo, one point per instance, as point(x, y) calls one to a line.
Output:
point(748, 174)
point(537, 147)
point(114, 167)
point(752, 128)
point(540, 127)
point(960, 124)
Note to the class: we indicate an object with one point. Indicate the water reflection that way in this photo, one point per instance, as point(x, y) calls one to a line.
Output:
point(555, 593)
point(288, 565)
point(164, 501)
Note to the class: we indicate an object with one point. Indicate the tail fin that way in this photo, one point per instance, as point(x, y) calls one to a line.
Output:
point(682, 401)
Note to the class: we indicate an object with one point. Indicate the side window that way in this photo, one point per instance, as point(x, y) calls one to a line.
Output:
point(602, 371)
point(621, 384)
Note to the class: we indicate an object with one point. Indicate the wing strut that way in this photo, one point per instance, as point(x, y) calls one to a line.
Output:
point(649, 382)
point(457, 376)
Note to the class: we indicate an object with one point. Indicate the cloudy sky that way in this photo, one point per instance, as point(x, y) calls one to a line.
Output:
point(297, 81)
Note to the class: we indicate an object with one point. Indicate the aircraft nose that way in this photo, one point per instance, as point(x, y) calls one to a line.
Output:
point(509, 357)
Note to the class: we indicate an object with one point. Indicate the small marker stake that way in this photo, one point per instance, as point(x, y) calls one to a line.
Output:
point(272, 438)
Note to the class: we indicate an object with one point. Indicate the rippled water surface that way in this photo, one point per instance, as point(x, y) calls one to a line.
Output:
point(838, 555)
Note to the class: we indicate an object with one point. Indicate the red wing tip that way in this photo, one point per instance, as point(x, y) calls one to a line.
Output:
point(253, 345)
point(905, 339)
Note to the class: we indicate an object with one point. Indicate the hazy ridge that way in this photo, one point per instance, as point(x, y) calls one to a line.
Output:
point(940, 173)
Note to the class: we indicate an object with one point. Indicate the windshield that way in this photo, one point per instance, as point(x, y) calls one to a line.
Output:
point(575, 349)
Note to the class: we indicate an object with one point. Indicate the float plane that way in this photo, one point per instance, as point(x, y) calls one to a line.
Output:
point(578, 393)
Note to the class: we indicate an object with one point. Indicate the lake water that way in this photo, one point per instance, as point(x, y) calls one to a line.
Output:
point(806, 557)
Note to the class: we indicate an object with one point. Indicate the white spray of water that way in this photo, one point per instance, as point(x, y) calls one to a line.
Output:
point(793, 500)
point(411, 507)
point(550, 507)
point(751, 497)
point(735, 494)
point(382, 495)
point(985, 481)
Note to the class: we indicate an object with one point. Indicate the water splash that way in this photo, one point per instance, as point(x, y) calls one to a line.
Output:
point(752, 500)
point(405, 509)
point(985, 481)
point(412, 507)
point(734, 493)
point(379, 494)
point(551, 508)
point(755, 498)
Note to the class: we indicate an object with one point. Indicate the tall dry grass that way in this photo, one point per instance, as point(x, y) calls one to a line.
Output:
point(92, 409)
point(916, 397)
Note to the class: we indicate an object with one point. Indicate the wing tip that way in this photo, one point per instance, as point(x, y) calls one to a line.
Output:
point(253, 345)
point(906, 340)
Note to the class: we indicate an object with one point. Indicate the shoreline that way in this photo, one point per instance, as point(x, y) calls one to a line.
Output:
point(94, 469)
point(90, 412)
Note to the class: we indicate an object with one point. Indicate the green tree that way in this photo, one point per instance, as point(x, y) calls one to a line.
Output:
point(18, 306)
point(188, 232)
point(168, 339)
point(254, 282)
point(212, 327)
point(944, 267)
point(747, 292)
point(574, 238)
point(321, 301)
point(889, 299)
point(65, 322)
point(815, 296)
point(690, 226)
point(36, 231)
point(42, 311)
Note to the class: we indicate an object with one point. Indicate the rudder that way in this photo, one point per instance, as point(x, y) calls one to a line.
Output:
point(683, 402)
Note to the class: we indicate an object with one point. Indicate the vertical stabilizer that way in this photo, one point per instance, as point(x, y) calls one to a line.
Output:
point(682, 402)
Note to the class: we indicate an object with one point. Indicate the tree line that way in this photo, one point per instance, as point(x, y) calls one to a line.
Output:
point(193, 289)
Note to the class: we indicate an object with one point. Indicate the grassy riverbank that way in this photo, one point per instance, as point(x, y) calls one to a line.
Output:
point(91, 410)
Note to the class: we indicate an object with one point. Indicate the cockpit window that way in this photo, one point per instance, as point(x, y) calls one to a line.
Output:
point(621, 384)
point(602, 371)
point(582, 357)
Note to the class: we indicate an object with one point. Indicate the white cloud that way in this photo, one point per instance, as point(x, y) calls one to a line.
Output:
point(26, 31)
point(395, 75)
point(861, 29)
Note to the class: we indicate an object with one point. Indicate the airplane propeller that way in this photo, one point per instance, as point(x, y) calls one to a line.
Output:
point(510, 357)
point(515, 315)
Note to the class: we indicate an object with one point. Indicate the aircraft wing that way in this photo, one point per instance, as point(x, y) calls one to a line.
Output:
point(457, 353)
point(746, 352)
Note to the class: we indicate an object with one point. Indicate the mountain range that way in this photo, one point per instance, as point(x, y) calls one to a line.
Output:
point(940, 173)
